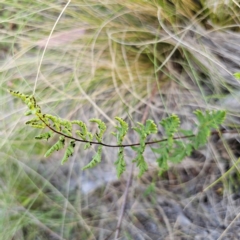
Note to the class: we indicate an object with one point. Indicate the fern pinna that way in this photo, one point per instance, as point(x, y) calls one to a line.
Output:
point(171, 148)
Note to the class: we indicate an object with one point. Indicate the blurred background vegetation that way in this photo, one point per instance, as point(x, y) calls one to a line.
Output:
point(133, 59)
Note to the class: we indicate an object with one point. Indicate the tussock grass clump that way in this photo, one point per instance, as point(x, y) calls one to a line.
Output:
point(101, 59)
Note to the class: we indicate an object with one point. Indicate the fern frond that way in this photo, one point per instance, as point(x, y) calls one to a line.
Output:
point(55, 121)
point(83, 133)
point(69, 152)
point(211, 119)
point(45, 135)
point(201, 137)
point(139, 129)
point(186, 133)
point(144, 131)
point(102, 128)
point(67, 127)
point(171, 125)
point(163, 151)
point(29, 100)
point(96, 159)
point(218, 118)
point(141, 164)
point(67, 132)
point(57, 146)
point(120, 134)
point(34, 120)
point(28, 112)
point(40, 126)
point(169, 149)
point(120, 163)
point(18, 94)
point(180, 151)
point(35, 123)
point(150, 127)
point(121, 130)
point(207, 121)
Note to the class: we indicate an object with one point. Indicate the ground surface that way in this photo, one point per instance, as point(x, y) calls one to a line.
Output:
point(136, 60)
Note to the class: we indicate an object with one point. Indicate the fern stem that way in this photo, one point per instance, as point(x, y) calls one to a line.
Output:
point(215, 132)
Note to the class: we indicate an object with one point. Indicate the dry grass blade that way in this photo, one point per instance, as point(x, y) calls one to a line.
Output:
point(101, 59)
